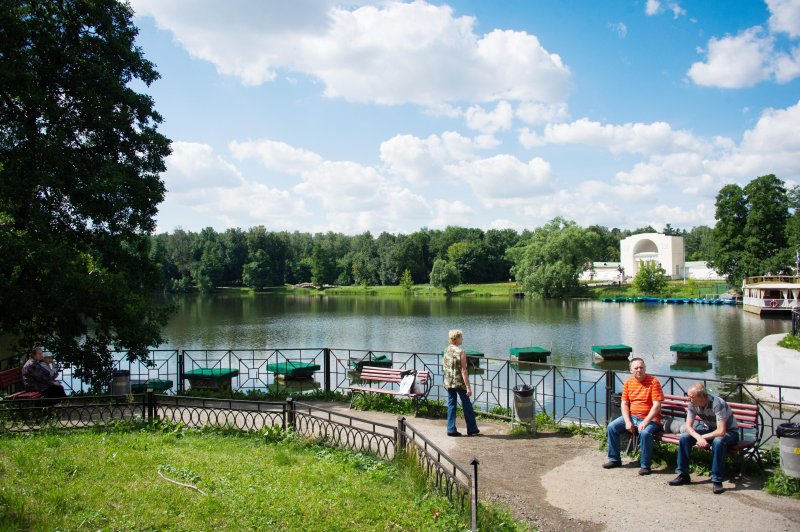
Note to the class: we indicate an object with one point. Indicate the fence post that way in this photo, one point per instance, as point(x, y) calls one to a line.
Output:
point(290, 423)
point(327, 368)
point(508, 387)
point(151, 404)
point(181, 367)
point(474, 463)
point(400, 436)
point(554, 391)
point(609, 394)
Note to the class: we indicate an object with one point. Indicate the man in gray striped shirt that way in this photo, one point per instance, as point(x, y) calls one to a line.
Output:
point(709, 423)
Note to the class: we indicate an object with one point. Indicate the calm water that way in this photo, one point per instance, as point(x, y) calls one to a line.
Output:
point(233, 320)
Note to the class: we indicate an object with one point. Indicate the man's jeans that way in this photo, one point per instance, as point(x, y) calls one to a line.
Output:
point(617, 427)
point(469, 413)
point(719, 450)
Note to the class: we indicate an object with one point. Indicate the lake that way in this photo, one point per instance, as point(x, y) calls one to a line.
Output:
point(240, 320)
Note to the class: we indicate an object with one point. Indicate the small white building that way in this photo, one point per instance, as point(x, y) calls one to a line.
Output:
point(667, 251)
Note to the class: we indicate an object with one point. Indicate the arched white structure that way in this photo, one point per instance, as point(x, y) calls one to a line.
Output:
point(665, 250)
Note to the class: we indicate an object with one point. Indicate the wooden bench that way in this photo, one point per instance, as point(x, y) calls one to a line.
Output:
point(747, 416)
point(12, 379)
point(381, 376)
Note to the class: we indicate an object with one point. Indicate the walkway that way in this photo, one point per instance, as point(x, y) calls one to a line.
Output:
point(555, 482)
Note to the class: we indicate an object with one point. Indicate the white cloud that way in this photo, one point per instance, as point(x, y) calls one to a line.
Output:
point(192, 165)
point(654, 7)
point(276, 155)
point(735, 62)
point(619, 28)
point(503, 179)
point(490, 121)
point(784, 17)
point(654, 138)
point(366, 54)
point(448, 212)
point(539, 113)
point(420, 160)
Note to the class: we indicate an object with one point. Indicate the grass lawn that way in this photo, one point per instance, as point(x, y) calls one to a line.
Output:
point(110, 480)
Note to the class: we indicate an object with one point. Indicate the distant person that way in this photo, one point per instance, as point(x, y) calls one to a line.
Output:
point(641, 412)
point(716, 428)
point(35, 378)
point(49, 364)
point(456, 381)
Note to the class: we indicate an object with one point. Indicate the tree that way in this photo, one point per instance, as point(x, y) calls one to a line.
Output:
point(80, 187)
point(444, 274)
point(731, 215)
point(551, 260)
point(699, 243)
point(651, 278)
point(406, 282)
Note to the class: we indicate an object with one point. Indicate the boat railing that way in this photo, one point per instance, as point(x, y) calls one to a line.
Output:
point(756, 279)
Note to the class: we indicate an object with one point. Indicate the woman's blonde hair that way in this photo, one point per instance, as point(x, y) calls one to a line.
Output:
point(454, 333)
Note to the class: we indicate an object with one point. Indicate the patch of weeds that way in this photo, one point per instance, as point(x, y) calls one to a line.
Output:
point(779, 483)
point(790, 342)
point(180, 474)
point(501, 411)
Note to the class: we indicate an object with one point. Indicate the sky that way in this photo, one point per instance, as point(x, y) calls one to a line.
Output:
point(320, 115)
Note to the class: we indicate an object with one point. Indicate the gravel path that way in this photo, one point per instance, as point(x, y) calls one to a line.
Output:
point(555, 482)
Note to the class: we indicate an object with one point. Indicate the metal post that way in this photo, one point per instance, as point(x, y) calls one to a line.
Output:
point(181, 367)
point(508, 388)
point(554, 391)
point(327, 369)
point(474, 463)
point(609, 394)
point(290, 422)
point(151, 405)
point(400, 436)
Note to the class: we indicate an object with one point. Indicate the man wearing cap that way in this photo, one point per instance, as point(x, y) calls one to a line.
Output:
point(716, 428)
point(641, 411)
point(35, 378)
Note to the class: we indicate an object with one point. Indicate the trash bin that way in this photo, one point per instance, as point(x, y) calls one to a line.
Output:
point(121, 382)
point(789, 434)
point(523, 403)
point(626, 441)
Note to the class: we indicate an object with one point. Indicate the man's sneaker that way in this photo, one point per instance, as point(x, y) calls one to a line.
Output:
point(680, 480)
point(455, 434)
point(644, 471)
point(611, 464)
point(717, 488)
point(475, 433)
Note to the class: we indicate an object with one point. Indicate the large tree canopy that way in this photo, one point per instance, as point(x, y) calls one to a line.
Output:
point(80, 184)
point(553, 257)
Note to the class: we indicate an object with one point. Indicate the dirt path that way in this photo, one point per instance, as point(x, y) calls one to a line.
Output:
point(555, 482)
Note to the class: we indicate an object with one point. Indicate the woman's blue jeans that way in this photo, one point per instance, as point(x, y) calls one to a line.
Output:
point(617, 427)
point(466, 404)
point(719, 450)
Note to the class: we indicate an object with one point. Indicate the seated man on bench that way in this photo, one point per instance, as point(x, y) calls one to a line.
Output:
point(717, 428)
point(35, 378)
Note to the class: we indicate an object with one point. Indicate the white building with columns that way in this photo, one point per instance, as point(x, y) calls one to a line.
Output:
point(665, 250)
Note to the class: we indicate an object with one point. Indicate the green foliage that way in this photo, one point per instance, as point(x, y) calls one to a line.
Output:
point(553, 257)
point(406, 282)
point(81, 156)
point(67, 480)
point(790, 342)
point(779, 483)
point(445, 275)
point(650, 279)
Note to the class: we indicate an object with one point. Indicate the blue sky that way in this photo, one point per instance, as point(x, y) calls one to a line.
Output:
point(316, 115)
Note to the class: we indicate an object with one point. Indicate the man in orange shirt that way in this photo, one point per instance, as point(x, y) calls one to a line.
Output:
point(641, 411)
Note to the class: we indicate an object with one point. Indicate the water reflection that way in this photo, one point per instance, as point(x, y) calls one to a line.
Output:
point(490, 325)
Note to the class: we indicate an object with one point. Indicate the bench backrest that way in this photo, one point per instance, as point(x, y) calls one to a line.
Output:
point(747, 416)
point(374, 373)
point(10, 377)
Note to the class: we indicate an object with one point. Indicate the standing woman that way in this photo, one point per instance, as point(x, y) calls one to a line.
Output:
point(456, 381)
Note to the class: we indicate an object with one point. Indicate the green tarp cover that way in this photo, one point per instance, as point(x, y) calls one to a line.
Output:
point(211, 373)
point(690, 348)
point(380, 361)
point(293, 368)
point(158, 385)
point(615, 348)
point(517, 351)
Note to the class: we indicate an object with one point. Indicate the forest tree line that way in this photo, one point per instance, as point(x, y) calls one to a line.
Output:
point(757, 232)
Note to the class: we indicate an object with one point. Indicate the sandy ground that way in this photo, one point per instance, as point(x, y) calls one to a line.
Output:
point(555, 482)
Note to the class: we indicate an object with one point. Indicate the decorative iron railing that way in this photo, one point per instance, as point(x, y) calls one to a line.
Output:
point(566, 393)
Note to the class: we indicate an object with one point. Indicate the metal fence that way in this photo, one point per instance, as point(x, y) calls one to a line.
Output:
point(565, 393)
